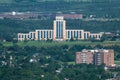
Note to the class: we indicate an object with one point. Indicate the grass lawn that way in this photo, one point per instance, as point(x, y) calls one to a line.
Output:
point(6, 1)
point(71, 63)
point(7, 44)
point(117, 62)
point(50, 44)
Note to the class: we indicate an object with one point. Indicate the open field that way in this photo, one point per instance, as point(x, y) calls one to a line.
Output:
point(50, 44)
point(117, 62)
point(71, 63)
point(6, 1)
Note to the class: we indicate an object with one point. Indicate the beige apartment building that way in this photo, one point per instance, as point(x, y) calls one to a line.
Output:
point(97, 57)
point(59, 33)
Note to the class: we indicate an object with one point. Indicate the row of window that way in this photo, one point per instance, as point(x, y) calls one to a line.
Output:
point(74, 34)
point(95, 36)
point(45, 34)
point(27, 36)
point(59, 29)
point(48, 34)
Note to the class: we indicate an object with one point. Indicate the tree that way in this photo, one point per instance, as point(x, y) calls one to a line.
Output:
point(103, 38)
point(18, 1)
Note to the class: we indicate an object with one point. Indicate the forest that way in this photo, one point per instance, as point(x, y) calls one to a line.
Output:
point(53, 63)
point(101, 8)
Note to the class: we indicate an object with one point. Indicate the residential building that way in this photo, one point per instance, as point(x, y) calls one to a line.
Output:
point(84, 57)
point(58, 33)
point(97, 57)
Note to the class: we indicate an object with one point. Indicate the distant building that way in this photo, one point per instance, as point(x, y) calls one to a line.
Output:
point(32, 15)
point(97, 57)
point(71, 16)
point(59, 33)
point(17, 15)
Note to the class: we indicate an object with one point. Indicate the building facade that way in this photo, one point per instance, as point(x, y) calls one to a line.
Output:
point(71, 16)
point(84, 57)
point(97, 57)
point(59, 33)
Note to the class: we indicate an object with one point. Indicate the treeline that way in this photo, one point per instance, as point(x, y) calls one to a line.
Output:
point(95, 8)
point(61, 1)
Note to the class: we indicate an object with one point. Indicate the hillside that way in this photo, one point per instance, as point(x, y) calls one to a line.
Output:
point(100, 8)
point(13, 1)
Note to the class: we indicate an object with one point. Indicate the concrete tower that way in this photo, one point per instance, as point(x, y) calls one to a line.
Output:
point(59, 32)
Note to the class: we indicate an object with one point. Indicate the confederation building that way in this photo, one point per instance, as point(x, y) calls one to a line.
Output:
point(58, 33)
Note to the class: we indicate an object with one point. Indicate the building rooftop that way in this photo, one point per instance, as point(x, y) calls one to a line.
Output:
point(95, 50)
point(59, 17)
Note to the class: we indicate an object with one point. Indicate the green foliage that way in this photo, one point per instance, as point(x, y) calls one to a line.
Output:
point(50, 56)
point(103, 38)
point(103, 8)
point(49, 60)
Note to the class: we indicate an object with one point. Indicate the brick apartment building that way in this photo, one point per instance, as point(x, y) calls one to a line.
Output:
point(97, 57)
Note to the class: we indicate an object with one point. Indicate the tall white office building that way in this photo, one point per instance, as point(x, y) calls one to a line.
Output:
point(59, 28)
